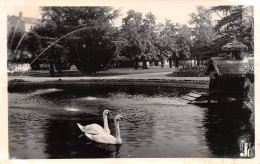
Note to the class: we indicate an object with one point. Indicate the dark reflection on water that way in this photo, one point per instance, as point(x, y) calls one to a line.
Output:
point(66, 141)
point(42, 124)
point(225, 125)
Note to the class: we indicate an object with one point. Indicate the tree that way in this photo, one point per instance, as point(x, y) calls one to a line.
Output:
point(203, 31)
point(235, 21)
point(230, 22)
point(165, 41)
point(21, 47)
point(184, 43)
point(173, 42)
point(15, 52)
point(138, 32)
point(86, 32)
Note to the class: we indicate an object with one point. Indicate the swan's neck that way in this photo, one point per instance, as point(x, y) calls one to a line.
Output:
point(118, 137)
point(105, 123)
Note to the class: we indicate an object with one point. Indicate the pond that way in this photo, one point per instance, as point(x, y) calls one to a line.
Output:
point(158, 124)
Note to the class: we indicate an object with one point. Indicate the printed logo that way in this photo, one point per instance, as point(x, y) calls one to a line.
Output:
point(246, 150)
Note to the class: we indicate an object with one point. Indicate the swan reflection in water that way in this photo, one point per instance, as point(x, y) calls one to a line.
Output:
point(111, 149)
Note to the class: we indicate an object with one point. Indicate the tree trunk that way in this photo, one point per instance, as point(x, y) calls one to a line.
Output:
point(60, 66)
point(162, 62)
point(136, 64)
point(52, 69)
point(177, 63)
point(170, 62)
point(144, 66)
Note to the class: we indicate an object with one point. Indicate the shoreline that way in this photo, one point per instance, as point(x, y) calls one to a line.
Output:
point(145, 79)
point(193, 84)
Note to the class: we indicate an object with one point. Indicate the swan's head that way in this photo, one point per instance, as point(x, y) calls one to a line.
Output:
point(107, 112)
point(119, 117)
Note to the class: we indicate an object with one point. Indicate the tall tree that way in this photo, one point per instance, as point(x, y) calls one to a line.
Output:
point(230, 22)
point(87, 36)
point(203, 31)
point(165, 41)
point(184, 42)
point(235, 21)
point(138, 31)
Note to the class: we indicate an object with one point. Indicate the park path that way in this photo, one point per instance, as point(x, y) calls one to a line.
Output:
point(143, 76)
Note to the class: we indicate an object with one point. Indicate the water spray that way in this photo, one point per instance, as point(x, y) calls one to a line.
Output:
point(84, 28)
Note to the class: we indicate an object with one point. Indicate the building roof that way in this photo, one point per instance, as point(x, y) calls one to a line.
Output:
point(234, 46)
point(235, 67)
point(11, 17)
point(30, 20)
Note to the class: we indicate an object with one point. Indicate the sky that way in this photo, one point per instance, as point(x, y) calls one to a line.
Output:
point(32, 11)
point(177, 14)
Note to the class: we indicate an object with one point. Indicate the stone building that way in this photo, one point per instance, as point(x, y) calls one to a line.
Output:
point(235, 76)
point(21, 23)
point(15, 25)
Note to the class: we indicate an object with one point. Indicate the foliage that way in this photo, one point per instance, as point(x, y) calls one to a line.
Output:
point(138, 32)
point(203, 31)
point(184, 42)
point(209, 38)
point(230, 21)
point(147, 41)
point(189, 72)
point(235, 21)
point(20, 47)
point(89, 44)
point(165, 41)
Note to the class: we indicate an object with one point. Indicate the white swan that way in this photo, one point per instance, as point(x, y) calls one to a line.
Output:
point(105, 138)
point(95, 128)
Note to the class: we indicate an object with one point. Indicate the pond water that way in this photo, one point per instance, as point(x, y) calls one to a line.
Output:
point(42, 124)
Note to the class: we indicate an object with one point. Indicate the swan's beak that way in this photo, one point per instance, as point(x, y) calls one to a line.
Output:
point(110, 114)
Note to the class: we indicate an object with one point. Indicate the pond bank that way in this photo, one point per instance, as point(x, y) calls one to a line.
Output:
point(196, 84)
point(159, 79)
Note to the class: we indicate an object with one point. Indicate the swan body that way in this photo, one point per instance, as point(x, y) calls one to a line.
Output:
point(91, 129)
point(105, 138)
point(95, 128)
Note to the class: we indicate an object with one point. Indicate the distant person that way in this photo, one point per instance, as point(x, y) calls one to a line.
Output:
point(143, 59)
point(162, 62)
point(136, 60)
point(52, 69)
point(170, 61)
point(213, 72)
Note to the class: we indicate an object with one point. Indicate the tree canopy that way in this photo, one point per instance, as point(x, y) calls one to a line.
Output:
point(235, 21)
point(86, 37)
point(138, 33)
point(90, 43)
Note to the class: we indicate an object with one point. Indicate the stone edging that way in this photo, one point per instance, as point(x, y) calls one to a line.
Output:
point(199, 84)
